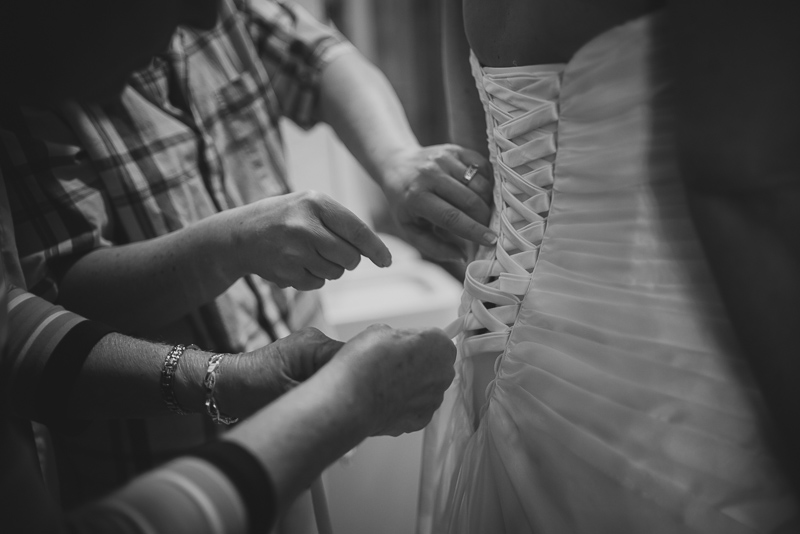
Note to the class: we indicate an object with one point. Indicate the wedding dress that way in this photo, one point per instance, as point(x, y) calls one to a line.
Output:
point(599, 386)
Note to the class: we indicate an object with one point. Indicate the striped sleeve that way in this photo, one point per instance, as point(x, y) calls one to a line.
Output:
point(222, 489)
point(294, 48)
point(45, 350)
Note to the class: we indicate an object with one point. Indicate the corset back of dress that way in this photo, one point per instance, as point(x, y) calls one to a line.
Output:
point(522, 117)
point(599, 386)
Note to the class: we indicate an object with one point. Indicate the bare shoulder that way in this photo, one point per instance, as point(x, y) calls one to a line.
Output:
point(527, 32)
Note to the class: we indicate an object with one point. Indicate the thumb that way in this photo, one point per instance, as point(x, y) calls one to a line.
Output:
point(323, 353)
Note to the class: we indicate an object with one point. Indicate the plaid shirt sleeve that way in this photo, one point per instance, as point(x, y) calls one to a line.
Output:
point(57, 200)
point(294, 48)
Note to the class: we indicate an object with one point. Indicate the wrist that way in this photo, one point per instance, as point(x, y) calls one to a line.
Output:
point(249, 382)
point(188, 383)
point(388, 167)
point(223, 240)
point(355, 396)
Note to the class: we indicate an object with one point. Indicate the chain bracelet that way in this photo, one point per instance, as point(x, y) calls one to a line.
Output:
point(168, 371)
point(210, 383)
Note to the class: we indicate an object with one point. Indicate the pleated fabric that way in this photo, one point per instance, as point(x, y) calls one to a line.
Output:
point(599, 385)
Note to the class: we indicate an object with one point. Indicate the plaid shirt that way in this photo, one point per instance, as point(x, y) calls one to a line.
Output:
point(193, 134)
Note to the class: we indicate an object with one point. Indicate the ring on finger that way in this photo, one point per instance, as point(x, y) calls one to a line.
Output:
point(470, 173)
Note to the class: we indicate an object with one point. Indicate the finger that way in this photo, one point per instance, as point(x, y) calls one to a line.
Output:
point(451, 239)
point(455, 193)
point(447, 216)
point(482, 183)
point(304, 352)
point(336, 250)
point(474, 197)
point(323, 353)
point(432, 246)
point(481, 186)
point(322, 268)
point(306, 281)
point(456, 165)
point(346, 225)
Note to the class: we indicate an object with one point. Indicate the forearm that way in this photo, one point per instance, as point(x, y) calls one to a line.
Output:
point(121, 378)
point(151, 283)
point(59, 366)
point(382, 382)
point(359, 103)
point(284, 447)
point(425, 186)
point(305, 430)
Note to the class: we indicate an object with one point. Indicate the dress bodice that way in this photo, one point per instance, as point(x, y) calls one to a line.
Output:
point(521, 106)
point(599, 385)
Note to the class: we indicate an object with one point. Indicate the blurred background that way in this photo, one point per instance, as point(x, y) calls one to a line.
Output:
point(375, 488)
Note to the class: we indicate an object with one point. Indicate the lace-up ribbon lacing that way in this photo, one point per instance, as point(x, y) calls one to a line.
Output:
point(523, 115)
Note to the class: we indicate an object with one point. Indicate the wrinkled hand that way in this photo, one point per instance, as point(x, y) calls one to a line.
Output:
point(252, 380)
point(301, 240)
point(433, 203)
point(400, 376)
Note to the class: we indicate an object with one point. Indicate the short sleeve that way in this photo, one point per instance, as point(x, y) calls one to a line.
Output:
point(58, 206)
point(294, 48)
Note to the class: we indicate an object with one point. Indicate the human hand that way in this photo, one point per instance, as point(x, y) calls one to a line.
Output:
point(433, 203)
point(301, 240)
point(256, 378)
point(400, 376)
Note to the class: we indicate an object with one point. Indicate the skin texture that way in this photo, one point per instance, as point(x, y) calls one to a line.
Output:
point(114, 384)
point(424, 185)
point(298, 240)
point(383, 382)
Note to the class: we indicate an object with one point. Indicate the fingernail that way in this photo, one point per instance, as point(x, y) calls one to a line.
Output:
point(490, 238)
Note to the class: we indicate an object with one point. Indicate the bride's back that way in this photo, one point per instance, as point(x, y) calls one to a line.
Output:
point(505, 33)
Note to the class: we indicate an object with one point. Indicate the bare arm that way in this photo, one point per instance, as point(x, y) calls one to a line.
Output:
point(59, 366)
point(121, 376)
point(300, 239)
point(739, 132)
point(382, 382)
point(424, 185)
point(152, 283)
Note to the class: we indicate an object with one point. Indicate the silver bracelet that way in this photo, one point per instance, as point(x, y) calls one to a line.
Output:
point(209, 382)
point(168, 371)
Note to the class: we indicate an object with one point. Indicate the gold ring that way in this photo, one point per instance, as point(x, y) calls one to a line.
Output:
point(470, 173)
